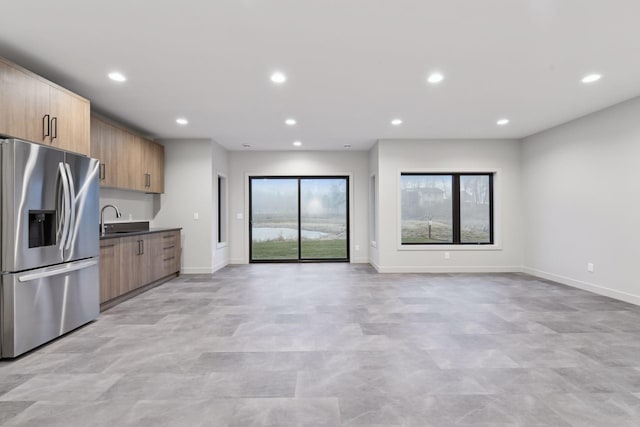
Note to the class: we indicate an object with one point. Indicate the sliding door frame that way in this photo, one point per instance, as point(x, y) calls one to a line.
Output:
point(300, 259)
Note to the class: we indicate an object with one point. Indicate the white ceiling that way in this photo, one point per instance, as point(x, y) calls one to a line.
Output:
point(352, 65)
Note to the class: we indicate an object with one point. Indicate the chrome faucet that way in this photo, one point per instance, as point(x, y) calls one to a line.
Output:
point(118, 215)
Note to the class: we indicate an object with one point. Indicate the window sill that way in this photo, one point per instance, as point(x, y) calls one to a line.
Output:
point(450, 248)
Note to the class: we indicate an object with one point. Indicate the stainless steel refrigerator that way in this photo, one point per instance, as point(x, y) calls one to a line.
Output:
point(49, 203)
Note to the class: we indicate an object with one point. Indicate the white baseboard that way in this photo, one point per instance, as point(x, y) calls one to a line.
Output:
point(220, 265)
point(374, 265)
point(360, 260)
point(236, 261)
point(447, 269)
point(586, 286)
point(196, 270)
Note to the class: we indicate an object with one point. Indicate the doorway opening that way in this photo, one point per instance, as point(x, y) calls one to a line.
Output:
point(298, 219)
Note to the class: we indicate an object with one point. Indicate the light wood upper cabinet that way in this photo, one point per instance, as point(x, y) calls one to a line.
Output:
point(147, 166)
point(105, 147)
point(70, 122)
point(24, 104)
point(137, 163)
point(37, 110)
point(154, 162)
point(127, 160)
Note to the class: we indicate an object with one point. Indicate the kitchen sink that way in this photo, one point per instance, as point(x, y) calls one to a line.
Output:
point(125, 227)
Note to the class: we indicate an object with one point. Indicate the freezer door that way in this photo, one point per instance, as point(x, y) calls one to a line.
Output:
point(30, 204)
point(83, 237)
point(40, 305)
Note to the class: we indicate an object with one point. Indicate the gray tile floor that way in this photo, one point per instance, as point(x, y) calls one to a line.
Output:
point(338, 344)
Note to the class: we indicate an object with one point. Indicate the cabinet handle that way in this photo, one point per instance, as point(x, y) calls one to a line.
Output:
point(170, 258)
point(54, 126)
point(107, 246)
point(169, 247)
point(46, 126)
point(142, 243)
point(139, 247)
point(148, 180)
point(103, 171)
point(168, 237)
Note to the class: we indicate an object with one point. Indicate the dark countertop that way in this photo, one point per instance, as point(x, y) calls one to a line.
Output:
point(136, 233)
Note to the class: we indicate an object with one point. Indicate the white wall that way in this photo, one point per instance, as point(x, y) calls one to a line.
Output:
point(189, 188)
point(500, 156)
point(244, 163)
point(581, 182)
point(133, 205)
point(374, 253)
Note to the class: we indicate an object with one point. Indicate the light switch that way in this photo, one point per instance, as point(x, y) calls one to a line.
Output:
point(196, 215)
point(239, 216)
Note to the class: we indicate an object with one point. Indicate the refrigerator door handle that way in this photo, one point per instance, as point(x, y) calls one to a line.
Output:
point(49, 272)
point(66, 211)
point(72, 200)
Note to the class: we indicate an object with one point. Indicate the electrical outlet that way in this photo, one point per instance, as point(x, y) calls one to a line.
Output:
point(357, 247)
point(590, 267)
point(196, 215)
point(239, 216)
point(447, 255)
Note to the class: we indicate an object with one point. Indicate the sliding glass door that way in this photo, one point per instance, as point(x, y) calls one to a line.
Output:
point(274, 219)
point(299, 219)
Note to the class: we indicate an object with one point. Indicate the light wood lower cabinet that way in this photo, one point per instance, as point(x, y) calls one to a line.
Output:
point(109, 270)
point(129, 264)
point(170, 243)
point(134, 263)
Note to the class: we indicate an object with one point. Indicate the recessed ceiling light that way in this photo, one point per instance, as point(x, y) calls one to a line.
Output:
point(297, 143)
point(290, 122)
point(435, 78)
point(502, 122)
point(278, 77)
point(117, 76)
point(246, 145)
point(396, 122)
point(591, 78)
point(347, 146)
point(182, 121)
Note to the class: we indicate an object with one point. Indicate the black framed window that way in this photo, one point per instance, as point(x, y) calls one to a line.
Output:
point(446, 208)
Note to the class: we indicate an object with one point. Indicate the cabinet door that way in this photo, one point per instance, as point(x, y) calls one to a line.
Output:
point(153, 161)
point(109, 269)
point(154, 243)
point(133, 263)
point(136, 168)
point(69, 121)
point(105, 147)
point(155, 167)
point(24, 104)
